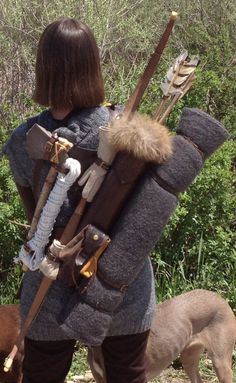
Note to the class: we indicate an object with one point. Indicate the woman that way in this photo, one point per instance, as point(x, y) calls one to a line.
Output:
point(69, 83)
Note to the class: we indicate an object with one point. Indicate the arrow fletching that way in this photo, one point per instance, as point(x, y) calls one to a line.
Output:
point(178, 74)
point(177, 82)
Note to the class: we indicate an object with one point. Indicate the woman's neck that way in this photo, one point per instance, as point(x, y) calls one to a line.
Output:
point(60, 114)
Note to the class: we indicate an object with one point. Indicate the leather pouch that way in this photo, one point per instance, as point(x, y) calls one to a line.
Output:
point(80, 256)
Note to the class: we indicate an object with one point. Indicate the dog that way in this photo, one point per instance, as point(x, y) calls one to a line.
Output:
point(9, 329)
point(185, 326)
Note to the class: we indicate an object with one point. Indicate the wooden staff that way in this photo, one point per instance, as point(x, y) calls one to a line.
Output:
point(134, 100)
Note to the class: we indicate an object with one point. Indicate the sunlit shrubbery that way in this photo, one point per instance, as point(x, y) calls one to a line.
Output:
point(197, 248)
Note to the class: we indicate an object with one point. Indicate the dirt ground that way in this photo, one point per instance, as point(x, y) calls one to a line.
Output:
point(170, 375)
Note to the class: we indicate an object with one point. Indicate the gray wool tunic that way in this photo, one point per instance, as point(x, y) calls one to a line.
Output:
point(134, 314)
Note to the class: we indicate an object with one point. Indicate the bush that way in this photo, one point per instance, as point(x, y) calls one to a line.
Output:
point(197, 248)
point(201, 237)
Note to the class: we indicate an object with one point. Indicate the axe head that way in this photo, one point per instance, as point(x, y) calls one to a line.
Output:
point(41, 144)
point(36, 140)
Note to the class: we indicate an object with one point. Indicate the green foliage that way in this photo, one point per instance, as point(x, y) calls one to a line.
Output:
point(11, 234)
point(10, 210)
point(10, 285)
point(79, 363)
point(197, 248)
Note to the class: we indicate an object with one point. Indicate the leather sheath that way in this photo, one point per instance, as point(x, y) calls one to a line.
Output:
point(114, 192)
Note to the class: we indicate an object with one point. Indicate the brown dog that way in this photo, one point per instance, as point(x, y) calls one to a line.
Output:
point(9, 328)
point(186, 325)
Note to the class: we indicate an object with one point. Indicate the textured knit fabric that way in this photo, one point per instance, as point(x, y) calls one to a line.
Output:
point(205, 131)
point(152, 204)
point(88, 316)
point(179, 171)
point(133, 238)
point(138, 302)
point(82, 130)
point(138, 229)
point(136, 233)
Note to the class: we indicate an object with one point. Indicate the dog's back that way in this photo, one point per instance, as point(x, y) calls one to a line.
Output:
point(188, 324)
point(184, 325)
point(9, 328)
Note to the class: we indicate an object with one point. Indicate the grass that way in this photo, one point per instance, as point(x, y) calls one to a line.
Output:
point(79, 365)
point(174, 373)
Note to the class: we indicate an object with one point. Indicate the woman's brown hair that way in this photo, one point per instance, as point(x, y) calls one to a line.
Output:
point(68, 72)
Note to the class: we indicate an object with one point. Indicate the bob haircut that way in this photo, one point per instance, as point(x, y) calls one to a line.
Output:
point(68, 71)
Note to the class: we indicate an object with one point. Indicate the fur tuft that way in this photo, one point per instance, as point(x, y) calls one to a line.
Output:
point(141, 136)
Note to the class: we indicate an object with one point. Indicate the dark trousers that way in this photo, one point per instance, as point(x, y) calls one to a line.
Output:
point(47, 362)
point(123, 356)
